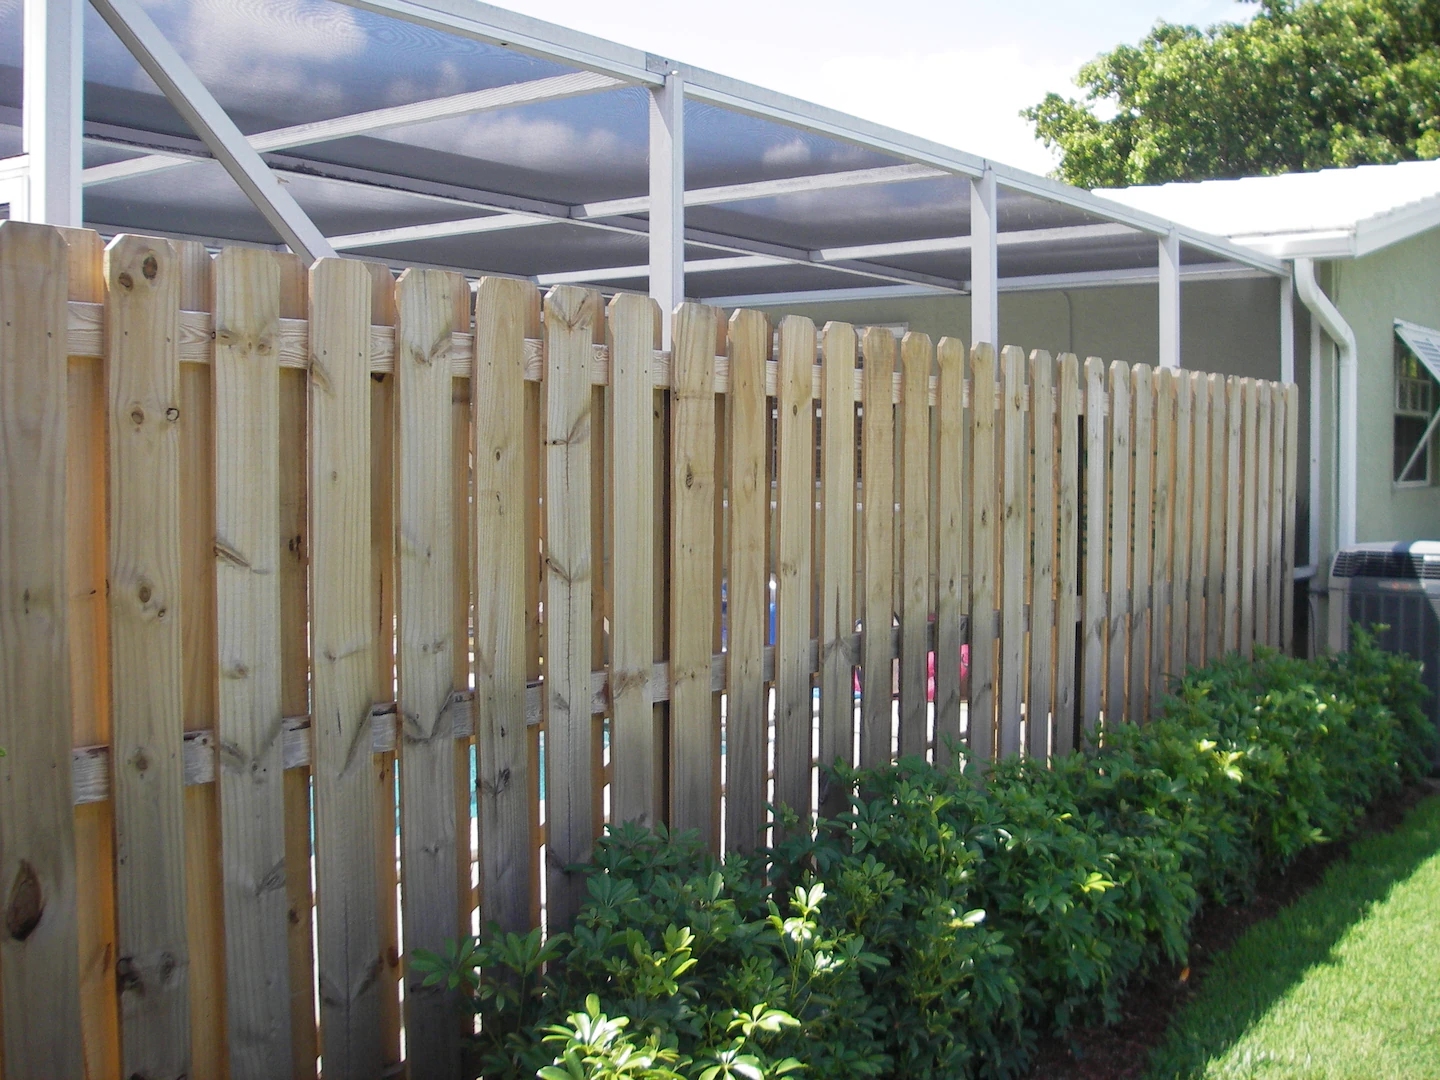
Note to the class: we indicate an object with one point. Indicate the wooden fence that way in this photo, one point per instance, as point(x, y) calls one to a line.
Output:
point(270, 536)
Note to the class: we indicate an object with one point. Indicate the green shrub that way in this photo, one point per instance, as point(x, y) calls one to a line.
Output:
point(950, 917)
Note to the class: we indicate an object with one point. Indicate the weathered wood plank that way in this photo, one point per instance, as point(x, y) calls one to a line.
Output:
point(877, 477)
point(747, 590)
point(1263, 584)
point(343, 625)
point(505, 543)
point(951, 601)
point(836, 537)
point(1142, 389)
point(1180, 530)
point(1222, 484)
point(430, 306)
point(1199, 518)
point(1163, 518)
point(794, 519)
point(1014, 553)
point(142, 375)
point(1095, 629)
point(694, 740)
point(917, 356)
point(1249, 511)
point(1040, 698)
point(1067, 565)
point(571, 315)
point(985, 403)
point(1234, 488)
point(1121, 470)
point(631, 326)
point(40, 949)
point(247, 551)
point(1288, 498)
point(1279, 584)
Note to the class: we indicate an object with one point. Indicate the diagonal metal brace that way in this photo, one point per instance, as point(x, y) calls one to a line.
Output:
point(210, 122)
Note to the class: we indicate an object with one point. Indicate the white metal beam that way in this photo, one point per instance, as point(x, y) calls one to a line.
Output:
point(53, 109)
point(769, 189)
point(493, 223)
point(626, 273)
point(667, 198)
point(1169, 291)
point(1014, 238)
point(198, 107)
point(825, 296)
point(366, 123)
point(509, 30)
point(984, 261)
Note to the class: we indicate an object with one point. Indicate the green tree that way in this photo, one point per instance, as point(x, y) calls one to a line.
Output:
point(1301, 86)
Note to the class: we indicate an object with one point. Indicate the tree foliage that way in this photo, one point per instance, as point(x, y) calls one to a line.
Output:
point(1302, 86)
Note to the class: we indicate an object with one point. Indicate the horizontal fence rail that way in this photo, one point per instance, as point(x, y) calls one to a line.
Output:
point(407, 587)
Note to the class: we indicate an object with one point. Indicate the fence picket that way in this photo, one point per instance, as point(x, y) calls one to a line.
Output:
point(1163, 522)
point(1224, 497)
point(343, 625)
point(570, 316)
point(1249, 511)
point(984, 404)
point(142, 372)
point(1279, 584)
point(632, 324)
point(877, 436)
point(951, 600)
point(794, 513)
point(1142, 388)
point(694, 740)
point(1199, 517)
point(1042, 531)
point(39, 952)
point(836, 535)
point(1121, 460)
point(1067, 565)
point(1290, 540)
point(1014, 553)
point(1096, 517)
point(747, 589)
point(1263, 473)
point(246, 554)
point(917, 357)
point(431, 305)
point(1180, 528)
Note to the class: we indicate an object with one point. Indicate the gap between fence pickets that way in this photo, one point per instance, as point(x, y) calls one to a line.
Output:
point(86, 338)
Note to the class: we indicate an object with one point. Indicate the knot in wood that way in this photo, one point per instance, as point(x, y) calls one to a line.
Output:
point(26, 905)
point(125, 281)
point(150, 267)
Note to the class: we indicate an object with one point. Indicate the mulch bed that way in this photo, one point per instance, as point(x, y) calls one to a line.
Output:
point(1122, 1052)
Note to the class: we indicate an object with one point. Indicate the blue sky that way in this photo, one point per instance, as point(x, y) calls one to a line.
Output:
point(957, 71)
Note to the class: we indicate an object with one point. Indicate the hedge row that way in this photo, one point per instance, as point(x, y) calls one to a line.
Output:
point(949, 919)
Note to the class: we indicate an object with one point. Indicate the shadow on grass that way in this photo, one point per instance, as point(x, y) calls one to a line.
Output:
point(1275, 955)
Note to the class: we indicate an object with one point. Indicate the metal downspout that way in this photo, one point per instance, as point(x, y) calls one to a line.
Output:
point(1347, 390)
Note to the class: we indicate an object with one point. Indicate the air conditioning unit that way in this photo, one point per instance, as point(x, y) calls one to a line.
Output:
point(1397, 585)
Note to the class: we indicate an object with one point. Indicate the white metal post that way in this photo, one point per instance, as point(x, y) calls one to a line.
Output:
point(1316, 399)
point(984, 261)
point(1287, 329)
point(53, 114)
point(1169, 246)
point(667, 197)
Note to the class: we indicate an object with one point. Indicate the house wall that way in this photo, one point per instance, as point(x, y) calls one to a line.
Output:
point(1401, 281)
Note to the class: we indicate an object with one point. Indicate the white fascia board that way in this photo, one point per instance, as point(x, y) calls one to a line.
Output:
point(509, 30)
point(824, 296)
point(1382, 230)
point(512, 95)
point(767, 189)
point(1327, 244)
point(1014, 238)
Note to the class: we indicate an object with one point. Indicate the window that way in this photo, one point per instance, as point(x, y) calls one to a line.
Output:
point(1415, 403)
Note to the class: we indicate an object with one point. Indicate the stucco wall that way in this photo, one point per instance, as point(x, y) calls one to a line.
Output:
point(1402, 281)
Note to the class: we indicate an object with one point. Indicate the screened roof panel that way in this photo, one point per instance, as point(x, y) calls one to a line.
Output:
point(273, 64)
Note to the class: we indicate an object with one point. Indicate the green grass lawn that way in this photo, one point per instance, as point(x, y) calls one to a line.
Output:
point(1343, 983)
